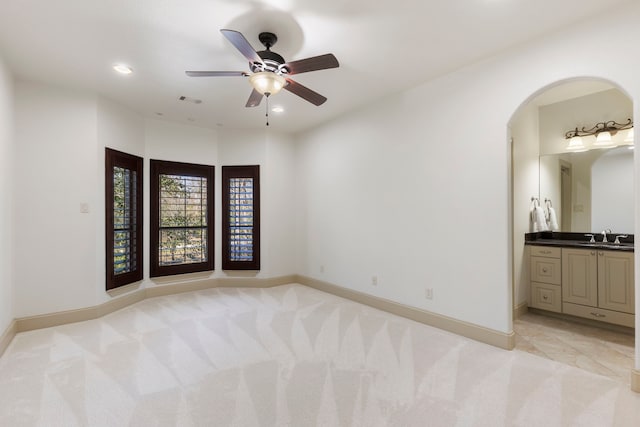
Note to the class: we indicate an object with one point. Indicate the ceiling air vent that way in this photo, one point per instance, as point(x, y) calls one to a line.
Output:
point(191, 100)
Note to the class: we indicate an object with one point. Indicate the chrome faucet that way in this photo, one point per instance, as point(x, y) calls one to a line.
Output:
point(604, 235)
point(620, 236)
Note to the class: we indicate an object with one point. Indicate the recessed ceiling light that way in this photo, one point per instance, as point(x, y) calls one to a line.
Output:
point(277, 109)
point(123, 69)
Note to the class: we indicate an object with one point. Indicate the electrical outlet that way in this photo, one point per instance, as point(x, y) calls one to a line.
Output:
point(428, 293)
point(374, 280)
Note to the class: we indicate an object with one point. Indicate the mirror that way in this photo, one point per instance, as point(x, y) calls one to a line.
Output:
point(590, 191)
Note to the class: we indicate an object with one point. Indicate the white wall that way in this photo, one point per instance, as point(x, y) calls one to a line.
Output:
point(60, 139)
point(55, 244)
point(415, 188)
point(178, 143)
point(279, 206)
point(524, 131)
point(6, 202)
point(389, 192)
point(274, 152)
point(120, 129)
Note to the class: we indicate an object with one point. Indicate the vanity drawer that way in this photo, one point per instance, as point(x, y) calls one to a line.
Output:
point(546, 297)
point(545, 251)
point(599, 314)
point(546, 270)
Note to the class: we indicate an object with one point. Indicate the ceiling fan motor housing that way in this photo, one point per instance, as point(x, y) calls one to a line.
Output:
point(271, 61)
point(267, 39)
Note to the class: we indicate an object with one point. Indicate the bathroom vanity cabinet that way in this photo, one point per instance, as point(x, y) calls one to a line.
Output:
point(546, 278)
point(591, 283)
point(598, 285)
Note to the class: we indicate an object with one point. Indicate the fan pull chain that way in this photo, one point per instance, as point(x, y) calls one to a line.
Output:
point(267, 114)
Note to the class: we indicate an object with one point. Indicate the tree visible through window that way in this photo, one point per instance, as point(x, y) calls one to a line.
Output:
point(123, 201)
point(182, 218)
point(241, 217)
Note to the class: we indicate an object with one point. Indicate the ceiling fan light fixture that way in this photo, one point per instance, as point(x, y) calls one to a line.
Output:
point(267, 82)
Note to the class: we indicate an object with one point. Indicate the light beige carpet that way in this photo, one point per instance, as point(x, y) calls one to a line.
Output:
point(287, 356)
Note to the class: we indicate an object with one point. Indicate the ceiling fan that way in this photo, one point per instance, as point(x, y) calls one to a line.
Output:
point(269, 71)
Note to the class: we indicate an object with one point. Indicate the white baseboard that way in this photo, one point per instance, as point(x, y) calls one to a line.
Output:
point(635, 380)
point(459, 327)
point(479, 333)
point(520, 310)
point(7, 336)
point(71, 316)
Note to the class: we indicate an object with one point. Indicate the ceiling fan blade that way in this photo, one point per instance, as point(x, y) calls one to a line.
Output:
point(237, 39)
point(304, 92)
point(254, 99)
point(315, 63)
point(216, 73)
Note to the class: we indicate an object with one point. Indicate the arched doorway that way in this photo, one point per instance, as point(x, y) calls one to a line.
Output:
point(539, 161)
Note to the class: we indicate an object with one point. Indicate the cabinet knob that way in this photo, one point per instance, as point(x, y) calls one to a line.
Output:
point(545, 297)
point(598, 314)
point(544, 270)
point(593, 253)
point(600, 253)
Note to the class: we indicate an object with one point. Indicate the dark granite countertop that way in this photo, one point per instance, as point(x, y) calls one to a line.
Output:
point(579, 240)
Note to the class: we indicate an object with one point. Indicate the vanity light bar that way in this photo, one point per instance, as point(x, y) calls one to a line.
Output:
point(610, 126)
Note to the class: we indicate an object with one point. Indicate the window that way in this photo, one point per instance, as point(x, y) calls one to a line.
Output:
point(123, 205)
point(241, 217)
point(181, 218)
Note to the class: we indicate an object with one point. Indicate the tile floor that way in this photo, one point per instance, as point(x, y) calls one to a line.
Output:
point(593, 349)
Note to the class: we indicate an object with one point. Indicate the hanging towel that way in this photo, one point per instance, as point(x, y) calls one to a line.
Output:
point(533, 225)
point(553, 219)
point(539, 221)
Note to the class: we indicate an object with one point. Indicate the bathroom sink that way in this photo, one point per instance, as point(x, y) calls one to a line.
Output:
point(615, 245)
point(585, 244)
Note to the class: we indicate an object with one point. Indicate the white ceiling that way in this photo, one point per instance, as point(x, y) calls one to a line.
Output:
point(383, 47)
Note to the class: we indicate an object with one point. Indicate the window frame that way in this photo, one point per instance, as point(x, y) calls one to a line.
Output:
point(114, 158)
point(164, 167)
point(228, 173)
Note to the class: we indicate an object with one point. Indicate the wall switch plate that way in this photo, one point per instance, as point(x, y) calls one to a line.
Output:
point(428, 293)
point(374, 280)
point(84, 207)
point(322, 269)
